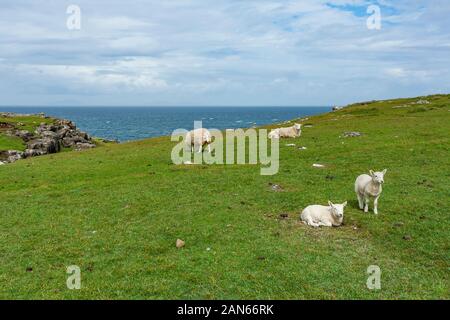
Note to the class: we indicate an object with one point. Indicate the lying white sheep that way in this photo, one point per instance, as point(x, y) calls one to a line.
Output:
point(198, 138)
point(274, 134)
point(369, 186)
point(317, 215)
point(290, 132)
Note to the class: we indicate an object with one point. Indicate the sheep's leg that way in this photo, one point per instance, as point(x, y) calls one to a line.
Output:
point(311, 223)
point(200, 149)
point(360, 201)
point(375, 205)
point(366, 204)
point(325, 224)
point(209, 148)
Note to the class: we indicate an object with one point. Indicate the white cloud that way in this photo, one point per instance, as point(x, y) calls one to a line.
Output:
point(129, 74)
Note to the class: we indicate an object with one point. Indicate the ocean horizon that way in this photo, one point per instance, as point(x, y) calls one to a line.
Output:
point(135, 123)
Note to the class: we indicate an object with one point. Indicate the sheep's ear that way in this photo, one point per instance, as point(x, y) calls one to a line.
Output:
point(371, 173)
point(384, 171)
point(330, 204)
point(344, 204)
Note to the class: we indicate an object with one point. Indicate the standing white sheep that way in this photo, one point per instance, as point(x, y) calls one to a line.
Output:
point(369, 186)
point(317, 215)
point(198, 138)
point(290, 132)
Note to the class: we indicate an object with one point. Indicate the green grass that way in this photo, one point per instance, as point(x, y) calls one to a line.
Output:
point(116, 211)
point(11, 143)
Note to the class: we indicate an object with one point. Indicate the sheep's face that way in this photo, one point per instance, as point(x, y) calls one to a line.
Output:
point(378, 177)
point(337, 209)
point(297, 126)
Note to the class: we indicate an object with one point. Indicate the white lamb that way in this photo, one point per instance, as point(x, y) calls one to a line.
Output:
point(290, 132)
point(317, 215)
point(274, 134)
point(198, 138)
point(369, 186)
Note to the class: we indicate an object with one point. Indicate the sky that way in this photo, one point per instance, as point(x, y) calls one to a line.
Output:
point(221, 52)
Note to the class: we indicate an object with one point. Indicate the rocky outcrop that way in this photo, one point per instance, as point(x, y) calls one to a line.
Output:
point(47, 139)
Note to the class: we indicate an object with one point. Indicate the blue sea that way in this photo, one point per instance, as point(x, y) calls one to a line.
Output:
point(133, 123)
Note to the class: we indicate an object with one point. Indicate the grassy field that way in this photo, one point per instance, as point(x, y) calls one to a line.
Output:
point(117, 210)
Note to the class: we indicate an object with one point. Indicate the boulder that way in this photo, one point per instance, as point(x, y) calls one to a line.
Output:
point(72, 141)
point(33, 153)
point(45, 145)
point(83, 146)
point(49, 134)
point(24, 135)
point(65, 123)
point(10, 156)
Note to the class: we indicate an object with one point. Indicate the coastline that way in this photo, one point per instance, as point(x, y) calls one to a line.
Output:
point(130, 124)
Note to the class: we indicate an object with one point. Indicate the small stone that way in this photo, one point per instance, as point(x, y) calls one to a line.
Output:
point(180, 243)
point(317, 165)
point(290, 145)
point(261, 258)
point(276, 187)
point(407, 237)
point(352, 134)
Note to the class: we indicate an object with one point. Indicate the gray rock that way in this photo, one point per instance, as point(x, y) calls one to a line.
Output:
point(10, 156)
point(49, 134)
point(352, 134)
point(69, 142)
point(33, 153)
point(83, 146)
point(44, 145)
point(24, 135)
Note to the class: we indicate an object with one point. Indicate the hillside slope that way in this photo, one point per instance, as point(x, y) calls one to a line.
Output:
point(117, 210)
